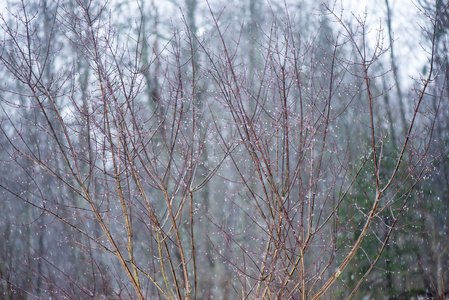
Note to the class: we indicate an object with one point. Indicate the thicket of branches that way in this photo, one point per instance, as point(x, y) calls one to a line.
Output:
point(223, 159)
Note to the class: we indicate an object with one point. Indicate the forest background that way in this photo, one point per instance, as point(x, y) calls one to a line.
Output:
point(193, 149)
